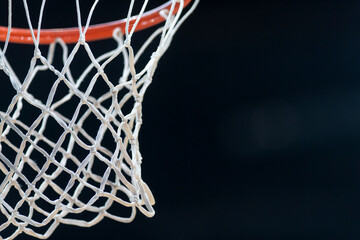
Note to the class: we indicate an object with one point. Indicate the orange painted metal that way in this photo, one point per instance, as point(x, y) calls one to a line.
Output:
point(94, 32)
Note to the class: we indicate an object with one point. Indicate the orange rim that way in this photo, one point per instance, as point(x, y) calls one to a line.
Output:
point(94, 32)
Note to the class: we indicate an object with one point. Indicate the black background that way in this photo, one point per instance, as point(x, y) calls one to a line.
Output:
point(251, 126)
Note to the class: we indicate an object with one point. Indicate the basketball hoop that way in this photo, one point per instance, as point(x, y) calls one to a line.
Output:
point(87, 168)
point(94, 32)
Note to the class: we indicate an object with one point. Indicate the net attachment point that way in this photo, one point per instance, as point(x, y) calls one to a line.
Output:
point(95, 32)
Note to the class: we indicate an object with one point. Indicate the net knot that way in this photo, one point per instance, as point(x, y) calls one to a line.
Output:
point(118, 139)
point(101, 71)
point(138, 99)
point(93, 150)
point(37, 53)
point(127, 42)
point(22, 226)
point(155, 55)
point(58, 204)
point(132, 142)
point(164, 13)
point(114, 91)
point(84, 100)
point(82, 39)
point(135, 199)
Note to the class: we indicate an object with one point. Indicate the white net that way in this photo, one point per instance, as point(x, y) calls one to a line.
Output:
point(77, 154)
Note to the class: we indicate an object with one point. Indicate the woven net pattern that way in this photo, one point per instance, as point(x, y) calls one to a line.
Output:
point(76, 175)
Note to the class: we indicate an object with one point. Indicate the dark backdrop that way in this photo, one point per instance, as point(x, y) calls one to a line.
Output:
point(252, 126)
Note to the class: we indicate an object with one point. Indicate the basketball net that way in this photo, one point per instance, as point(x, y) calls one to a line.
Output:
point(77, 178)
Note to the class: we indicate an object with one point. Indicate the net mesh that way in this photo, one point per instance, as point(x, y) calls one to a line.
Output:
point(77, 154)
